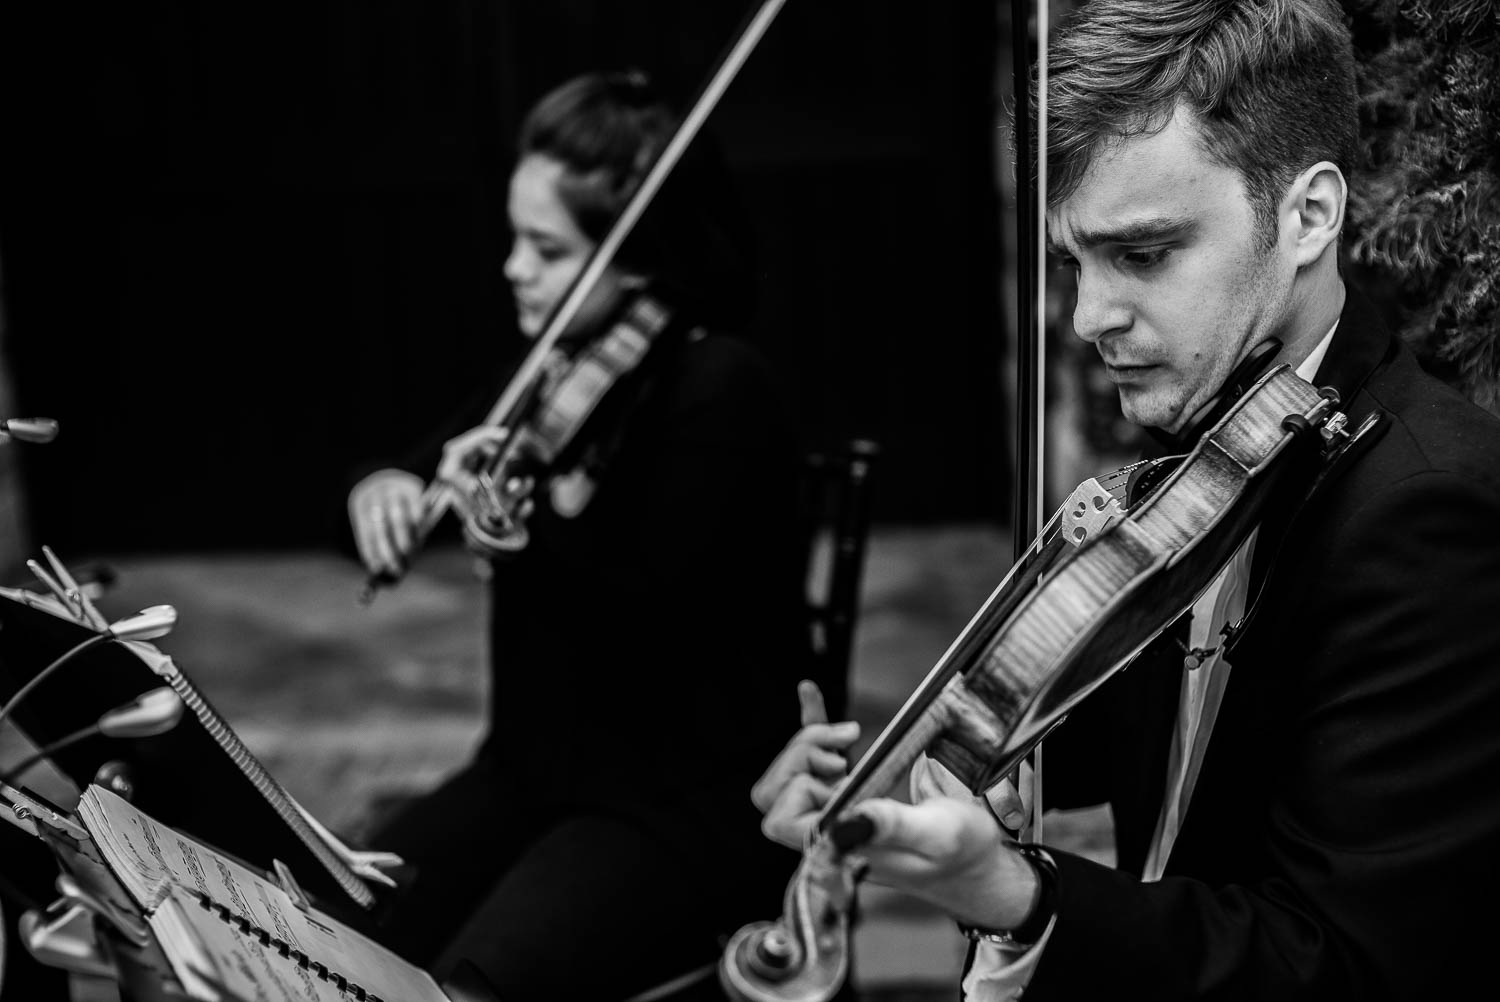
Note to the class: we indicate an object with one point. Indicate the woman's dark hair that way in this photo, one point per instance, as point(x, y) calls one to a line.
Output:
point(607, 129)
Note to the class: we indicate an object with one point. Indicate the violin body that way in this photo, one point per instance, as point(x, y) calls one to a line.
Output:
point(553, 425)
point(1107, 600)
point(1036, 651)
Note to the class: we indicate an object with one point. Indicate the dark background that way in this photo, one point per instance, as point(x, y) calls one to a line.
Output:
point(245, 247)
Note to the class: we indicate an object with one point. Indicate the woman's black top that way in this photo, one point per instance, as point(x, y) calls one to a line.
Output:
point(644, 653)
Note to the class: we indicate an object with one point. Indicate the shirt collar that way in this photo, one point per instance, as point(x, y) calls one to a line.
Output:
point(1309, 367)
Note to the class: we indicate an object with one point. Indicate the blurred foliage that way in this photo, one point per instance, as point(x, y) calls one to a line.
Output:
point(1424, 212)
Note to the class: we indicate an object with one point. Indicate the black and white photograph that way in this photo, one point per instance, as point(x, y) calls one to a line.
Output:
point(751, 501)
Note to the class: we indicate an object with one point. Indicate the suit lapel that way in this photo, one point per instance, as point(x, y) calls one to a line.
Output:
point(1359, 347)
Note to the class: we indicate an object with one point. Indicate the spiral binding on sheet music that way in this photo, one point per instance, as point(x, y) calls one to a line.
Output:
point(315, 968)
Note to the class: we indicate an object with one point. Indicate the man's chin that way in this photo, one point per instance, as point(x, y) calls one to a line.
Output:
point(1143, 412)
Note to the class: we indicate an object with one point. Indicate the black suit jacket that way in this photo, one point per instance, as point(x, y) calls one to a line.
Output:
point(1343, 833)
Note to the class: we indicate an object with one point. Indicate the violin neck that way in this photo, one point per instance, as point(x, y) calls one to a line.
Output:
point(883, 767)
point(932, 709)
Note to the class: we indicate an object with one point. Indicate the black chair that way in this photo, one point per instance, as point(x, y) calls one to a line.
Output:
point(835, 505)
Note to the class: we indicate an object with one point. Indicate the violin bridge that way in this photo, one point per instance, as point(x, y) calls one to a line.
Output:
point(1089, 510)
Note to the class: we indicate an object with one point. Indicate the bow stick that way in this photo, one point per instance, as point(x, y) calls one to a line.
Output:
point(1031, 315)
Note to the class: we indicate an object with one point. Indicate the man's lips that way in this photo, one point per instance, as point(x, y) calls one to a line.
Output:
point(1124, 372)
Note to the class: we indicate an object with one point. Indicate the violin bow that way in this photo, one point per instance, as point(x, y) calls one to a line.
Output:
point(1031, 311)
point(437, 497)
point(604, 254)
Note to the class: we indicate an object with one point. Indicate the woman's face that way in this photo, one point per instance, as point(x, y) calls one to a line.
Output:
point(549, 249)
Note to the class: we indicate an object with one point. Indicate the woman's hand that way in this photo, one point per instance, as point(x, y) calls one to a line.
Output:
point(464, 454)
point(801, 779)
point(385, 510)
point(491, 515)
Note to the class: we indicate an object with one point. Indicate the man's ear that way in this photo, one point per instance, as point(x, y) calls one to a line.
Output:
point(1314, 209)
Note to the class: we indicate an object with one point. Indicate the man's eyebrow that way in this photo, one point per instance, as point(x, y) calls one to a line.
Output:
point(1137, 231)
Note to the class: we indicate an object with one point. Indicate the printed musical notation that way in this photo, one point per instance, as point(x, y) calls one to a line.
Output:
point(231, 933)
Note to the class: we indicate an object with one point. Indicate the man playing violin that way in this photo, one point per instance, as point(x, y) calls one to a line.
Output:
point(1337, 837)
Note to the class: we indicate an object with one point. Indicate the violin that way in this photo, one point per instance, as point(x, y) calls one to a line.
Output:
point(567, 394)
point(1055, 630)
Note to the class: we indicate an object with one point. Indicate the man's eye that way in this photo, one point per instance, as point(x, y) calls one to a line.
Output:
point(1146, 257)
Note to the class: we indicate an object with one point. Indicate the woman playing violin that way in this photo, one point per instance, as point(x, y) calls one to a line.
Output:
point(642, 640)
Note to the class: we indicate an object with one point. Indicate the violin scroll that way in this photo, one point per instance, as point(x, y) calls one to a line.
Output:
point(494, 514)
point(804, 955)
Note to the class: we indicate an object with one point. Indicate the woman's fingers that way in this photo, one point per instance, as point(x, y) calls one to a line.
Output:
point(372, 537)
point(385, 549)
point(399, 526)
point(385, 509)
point(410, 504)
point(464, 453)
point(368, 544)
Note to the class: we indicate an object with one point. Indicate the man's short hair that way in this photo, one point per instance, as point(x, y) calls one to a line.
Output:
point(1269, 82)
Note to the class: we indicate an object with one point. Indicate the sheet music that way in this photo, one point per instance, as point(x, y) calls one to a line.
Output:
point(215, 959)
point(171, 876)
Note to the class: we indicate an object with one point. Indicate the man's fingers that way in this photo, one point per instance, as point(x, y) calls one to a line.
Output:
point(932, 830)
point(798, 757)
point(795, 810)
point(814, 749)
point(811, 698)
point(1012, 805)
point(788, 766)
point(1008, 805)
point(826, 764)
point(839, 735)
point(891, 827)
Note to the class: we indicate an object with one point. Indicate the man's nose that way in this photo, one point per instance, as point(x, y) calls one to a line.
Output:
point(1098, 309)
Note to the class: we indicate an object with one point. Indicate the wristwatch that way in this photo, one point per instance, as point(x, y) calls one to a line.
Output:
point(1030, 931)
